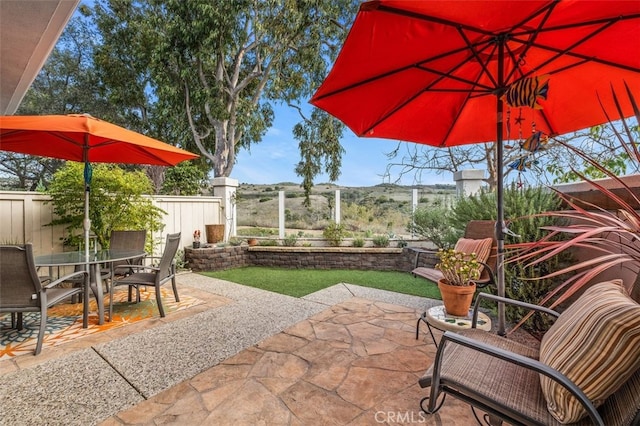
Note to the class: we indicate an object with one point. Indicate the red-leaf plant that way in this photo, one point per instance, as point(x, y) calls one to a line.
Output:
point(613, 235)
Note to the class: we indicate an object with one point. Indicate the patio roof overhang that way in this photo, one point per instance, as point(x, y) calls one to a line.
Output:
point(29, 29)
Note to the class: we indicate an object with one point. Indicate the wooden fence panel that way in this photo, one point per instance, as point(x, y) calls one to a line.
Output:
point(25, 217)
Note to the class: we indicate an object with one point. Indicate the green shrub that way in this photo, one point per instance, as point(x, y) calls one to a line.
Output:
point(235, 241)
point(268, 243)
point(520, 206)
point(290, 240)
point(358, 242)
point(432, 224)
point(116, 201)
point(334, 233)
point(381, 241)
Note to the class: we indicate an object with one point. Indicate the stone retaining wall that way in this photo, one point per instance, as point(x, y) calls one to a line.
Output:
point(216, 258)
point(378, 259)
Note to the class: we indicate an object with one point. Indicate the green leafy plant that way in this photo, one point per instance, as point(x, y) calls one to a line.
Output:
point(334, 233)
point(235, 241)
point(290, 240)
point(116, 201)
point(381, 241)
point(430, 223)
point(458, 268)
point(269, 242)
point(358, 242)
point(184, 179)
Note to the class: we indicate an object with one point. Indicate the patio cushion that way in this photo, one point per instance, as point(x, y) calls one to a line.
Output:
point(596, 344)
point(481, 247)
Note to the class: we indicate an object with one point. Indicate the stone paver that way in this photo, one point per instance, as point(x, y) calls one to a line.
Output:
point(356, 363)
point(346, 355)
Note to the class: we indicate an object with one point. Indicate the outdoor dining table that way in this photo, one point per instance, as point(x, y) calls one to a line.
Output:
point(94, 281)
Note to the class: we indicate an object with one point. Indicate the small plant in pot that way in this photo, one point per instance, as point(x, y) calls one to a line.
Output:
point(457, 286)
point(196, 238)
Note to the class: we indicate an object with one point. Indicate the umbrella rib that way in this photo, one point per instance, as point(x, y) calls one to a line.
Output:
point(470, 46)
point(584, 58)
point(611, 20)
point(528, 43)
point(456, 117)
point(416, 15)
point(475, 53)
point(567, 51)
point(430, 88)
point(419, 65)
point(446, 75)
point(105, 143)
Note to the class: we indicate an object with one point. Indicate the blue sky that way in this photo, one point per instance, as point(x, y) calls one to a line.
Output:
point(274, 159)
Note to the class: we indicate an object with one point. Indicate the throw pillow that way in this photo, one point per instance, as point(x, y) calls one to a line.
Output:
point(596, 344)
point(481, 247)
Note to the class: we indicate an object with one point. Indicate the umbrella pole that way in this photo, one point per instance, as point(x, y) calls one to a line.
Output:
point(500, 223)
point(500, 188)
point(86, 226)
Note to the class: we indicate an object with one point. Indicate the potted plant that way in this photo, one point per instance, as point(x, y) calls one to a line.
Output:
point(196, 238)
point(457, 287)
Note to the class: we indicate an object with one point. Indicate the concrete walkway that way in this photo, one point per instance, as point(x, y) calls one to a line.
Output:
point(148, 372)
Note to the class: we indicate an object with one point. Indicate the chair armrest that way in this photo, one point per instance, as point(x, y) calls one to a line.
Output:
point(492, 276)
point(142, 267)
point(418, 252)
point(513, 358)
point(65, 278)
point(499, 299)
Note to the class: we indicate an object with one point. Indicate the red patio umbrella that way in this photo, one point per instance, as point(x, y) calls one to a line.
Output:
point(436, 72)
point(83, 138)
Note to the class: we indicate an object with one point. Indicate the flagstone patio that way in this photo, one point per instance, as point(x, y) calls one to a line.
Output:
point(345, 355)
point(356, 363)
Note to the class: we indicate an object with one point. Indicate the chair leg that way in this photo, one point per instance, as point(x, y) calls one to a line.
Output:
point(175, 289)
point(111, 288)
point(43, 328)
point(159, 300)
point(19, 323)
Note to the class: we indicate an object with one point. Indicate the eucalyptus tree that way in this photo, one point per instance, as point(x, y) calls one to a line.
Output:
point(215, 69)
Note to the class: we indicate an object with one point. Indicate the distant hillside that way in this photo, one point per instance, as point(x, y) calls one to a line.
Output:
point(380, 209)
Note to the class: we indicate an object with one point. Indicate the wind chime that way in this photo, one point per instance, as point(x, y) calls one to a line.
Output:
point(523, 94)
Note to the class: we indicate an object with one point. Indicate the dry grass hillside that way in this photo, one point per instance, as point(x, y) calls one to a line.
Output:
point(366, 211)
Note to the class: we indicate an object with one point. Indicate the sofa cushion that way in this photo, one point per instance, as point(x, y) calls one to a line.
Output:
point(481, 247)
point(596, 344)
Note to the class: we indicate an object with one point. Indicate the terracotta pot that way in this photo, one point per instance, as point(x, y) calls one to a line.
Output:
point(457, 299)
point(252, 241)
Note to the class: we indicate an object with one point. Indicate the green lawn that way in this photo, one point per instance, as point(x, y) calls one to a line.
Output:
point(300, 282)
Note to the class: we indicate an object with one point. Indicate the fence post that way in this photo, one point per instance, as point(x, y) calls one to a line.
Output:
point(337, 209)
point(468, 182)
point(414, 206)
point(225, 188)
point(281, 214)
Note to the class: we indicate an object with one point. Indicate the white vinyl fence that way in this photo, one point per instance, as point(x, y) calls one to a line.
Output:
point(24, 217)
